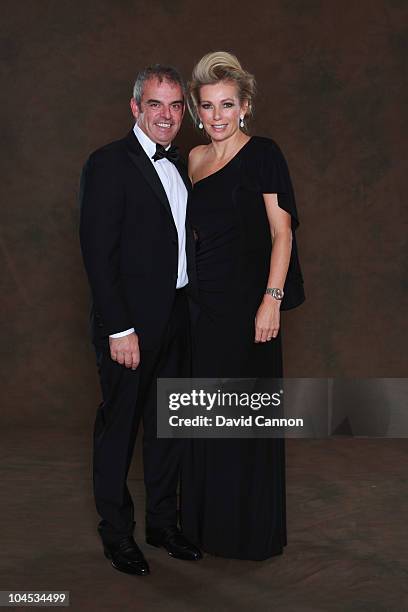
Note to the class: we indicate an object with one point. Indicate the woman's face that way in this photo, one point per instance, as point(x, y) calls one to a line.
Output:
point(220, 110)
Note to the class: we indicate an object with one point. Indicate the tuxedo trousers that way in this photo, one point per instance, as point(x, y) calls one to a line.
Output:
point(129, 396)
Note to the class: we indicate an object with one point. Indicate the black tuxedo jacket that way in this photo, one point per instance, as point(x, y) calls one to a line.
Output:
point(129, 242)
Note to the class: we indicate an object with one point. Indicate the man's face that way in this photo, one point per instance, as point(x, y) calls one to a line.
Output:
point(161, 110)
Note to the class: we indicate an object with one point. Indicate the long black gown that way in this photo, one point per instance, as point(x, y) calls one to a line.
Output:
point(233, 490)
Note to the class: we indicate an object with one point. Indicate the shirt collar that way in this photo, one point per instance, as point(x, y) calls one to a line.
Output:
point(148, 145)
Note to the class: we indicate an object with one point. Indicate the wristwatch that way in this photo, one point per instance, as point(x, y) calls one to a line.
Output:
point(275, 293)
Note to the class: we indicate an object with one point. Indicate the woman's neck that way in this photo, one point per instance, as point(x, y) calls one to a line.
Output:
point(227, 148)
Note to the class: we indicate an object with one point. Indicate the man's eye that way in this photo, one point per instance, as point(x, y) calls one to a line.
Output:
point(154, 104)
point(177, 107)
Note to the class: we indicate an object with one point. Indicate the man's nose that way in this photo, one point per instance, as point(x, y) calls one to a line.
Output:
point(166, 112)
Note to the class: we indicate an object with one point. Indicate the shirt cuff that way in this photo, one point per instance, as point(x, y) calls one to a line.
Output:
point(123, 333)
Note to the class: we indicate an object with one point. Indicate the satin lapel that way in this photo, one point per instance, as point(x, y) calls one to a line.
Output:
point(140, 159)
point(182, 169)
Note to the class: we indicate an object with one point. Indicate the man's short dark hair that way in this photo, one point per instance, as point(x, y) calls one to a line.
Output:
point(159, 72)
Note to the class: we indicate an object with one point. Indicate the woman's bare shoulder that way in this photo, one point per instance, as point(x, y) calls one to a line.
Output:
point(197, 153)
point(195, 159)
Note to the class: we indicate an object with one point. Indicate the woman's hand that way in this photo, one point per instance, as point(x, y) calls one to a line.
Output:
point(267, 320)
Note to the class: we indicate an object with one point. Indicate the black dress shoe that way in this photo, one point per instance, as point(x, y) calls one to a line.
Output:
point(126, 556)
point(174, 542)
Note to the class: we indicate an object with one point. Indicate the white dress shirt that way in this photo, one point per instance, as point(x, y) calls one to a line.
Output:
point(177, 196)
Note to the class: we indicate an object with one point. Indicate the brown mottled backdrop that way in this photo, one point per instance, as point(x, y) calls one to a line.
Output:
point(332, 92)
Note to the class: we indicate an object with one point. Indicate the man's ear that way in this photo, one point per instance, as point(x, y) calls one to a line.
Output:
point(134, 108)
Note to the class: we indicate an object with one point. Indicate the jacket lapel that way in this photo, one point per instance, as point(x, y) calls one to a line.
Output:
point(182, 170)
point(140, 159)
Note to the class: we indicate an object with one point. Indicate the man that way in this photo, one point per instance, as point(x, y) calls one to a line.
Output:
point(138, 253)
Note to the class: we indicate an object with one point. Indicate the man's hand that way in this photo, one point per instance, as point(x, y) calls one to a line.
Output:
point(125, 350)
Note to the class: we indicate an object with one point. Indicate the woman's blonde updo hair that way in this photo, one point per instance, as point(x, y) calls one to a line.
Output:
point(215, 67)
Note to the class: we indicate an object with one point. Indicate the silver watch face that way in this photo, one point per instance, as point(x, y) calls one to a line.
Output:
point(275, 292)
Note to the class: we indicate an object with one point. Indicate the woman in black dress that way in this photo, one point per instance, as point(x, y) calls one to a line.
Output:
point(242, 205)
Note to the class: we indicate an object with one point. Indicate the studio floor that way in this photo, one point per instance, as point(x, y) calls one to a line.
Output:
point(347, 525)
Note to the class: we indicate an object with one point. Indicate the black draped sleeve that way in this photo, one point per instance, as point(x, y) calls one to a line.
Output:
point(275, 178)
point(264, 170)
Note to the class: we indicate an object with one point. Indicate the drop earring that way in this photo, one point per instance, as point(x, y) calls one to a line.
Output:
point(241, 123)
point(200, 126)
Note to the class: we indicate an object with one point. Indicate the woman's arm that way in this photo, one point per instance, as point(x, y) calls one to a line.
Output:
point(267, 320)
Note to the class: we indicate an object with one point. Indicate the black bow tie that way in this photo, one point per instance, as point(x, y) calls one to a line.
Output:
point(171, 154)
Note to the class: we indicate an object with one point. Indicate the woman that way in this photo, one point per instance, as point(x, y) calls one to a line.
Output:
point(242, 204)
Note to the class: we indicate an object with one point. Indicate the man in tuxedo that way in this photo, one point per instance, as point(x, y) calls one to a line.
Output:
point(138, 254)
